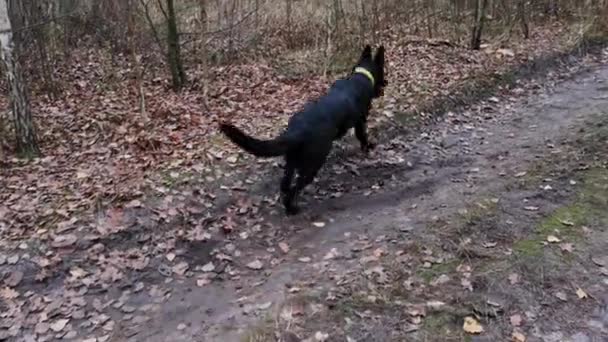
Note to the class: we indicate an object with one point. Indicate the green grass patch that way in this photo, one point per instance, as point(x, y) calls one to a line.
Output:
point(589, 208)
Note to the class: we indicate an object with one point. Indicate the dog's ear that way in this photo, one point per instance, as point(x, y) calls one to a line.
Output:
point(367, 53)
point(379, 58)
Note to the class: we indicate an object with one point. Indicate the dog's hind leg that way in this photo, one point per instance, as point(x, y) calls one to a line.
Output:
point(287, 179)
point(361, 134)
point(305, 177)
point(286, 182)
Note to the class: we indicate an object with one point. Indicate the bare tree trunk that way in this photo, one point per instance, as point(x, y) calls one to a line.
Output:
point(288, 12)
point(480, 14)
point(25, 132)
point(523, 20)
point(174, 54)
point(204, 27)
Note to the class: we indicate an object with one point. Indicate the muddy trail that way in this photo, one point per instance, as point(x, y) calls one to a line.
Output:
point(494, 217)
point(438, 214)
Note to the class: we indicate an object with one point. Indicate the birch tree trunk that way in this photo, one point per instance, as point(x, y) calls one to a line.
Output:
point(25, 133)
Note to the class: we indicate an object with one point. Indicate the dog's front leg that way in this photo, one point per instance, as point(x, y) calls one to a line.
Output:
point(361, 134)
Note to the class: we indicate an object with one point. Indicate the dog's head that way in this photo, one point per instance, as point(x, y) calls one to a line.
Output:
point(374, 65)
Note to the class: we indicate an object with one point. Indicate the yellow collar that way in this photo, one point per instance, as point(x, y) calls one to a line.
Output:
point(363, 71)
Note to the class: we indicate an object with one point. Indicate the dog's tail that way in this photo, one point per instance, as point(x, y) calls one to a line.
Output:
point(259, 148)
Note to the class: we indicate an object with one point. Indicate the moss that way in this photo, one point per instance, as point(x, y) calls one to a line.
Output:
point(478, 212)
point(262, 332)
point(589, 208)
point(437, 324)
point(436, 270)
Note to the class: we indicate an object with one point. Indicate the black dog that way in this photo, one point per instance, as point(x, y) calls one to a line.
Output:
point(310, 133)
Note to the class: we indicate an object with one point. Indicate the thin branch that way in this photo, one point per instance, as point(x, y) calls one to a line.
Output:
point(162, 9)
point(42, 23)
point(222, 30)
point(151, 23)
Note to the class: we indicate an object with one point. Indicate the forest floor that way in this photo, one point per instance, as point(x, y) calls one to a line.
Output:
point(485, 223)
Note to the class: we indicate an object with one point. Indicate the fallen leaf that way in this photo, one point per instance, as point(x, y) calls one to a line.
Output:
point(59, 324)
point(471, 326)
point(170, 257)
point(255, 265)
point(561, 295)
point(321, 336)
point(505, 52)
point(332, 254)
point(265, 306)
point(489, 244)
point(304, 259)
point(518, 337)
point(133, 204)
point(202, 282)
point(62, 241)
point(8, 293)
point(181, 268)
point(13, 259)
point(14, 278)
point(442, 279)
point(581, 294)
point(567, 247)
point(600, 261)
point(41, 328)
point(515, 320)
point(513, 278)
point(553, 239)
point(208, 267)
point(284, 247)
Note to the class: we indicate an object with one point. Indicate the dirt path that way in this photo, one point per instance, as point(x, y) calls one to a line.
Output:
point(476, 155)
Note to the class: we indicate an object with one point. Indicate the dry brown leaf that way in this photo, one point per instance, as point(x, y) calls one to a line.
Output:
point(59, 324)
point(255, 265)
point(581, 294)
point(208, 267)
point(203, 282)
point(62, 241)
point(513, 278)
point(8, 293)
point(515, 320)
point(567, 247)
point(284, 247)
point(561, 295)
point(181, 268)
point(518, 337)
point(170, 257)
point(14, 278)
point(471, 326)
point(600, 260)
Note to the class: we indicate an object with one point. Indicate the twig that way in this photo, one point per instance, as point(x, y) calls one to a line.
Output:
point(154, 31)
point(224, 29)
point(162, 9)
point(42, 23)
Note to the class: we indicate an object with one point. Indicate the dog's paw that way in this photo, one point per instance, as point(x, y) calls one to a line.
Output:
point(368, 147)
point(290, 211)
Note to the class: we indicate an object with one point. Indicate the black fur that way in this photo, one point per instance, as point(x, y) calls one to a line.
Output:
point(308, 139)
